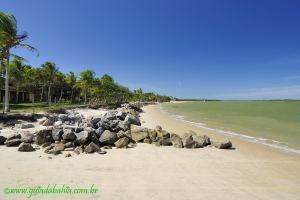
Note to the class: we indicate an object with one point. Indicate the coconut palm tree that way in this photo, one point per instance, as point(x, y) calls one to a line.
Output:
point(9, 39)
point(50, 71)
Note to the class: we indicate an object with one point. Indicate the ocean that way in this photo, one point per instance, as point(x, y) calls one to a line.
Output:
point(272, 123)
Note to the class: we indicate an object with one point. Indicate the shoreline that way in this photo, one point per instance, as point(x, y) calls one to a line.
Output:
point(277, 145)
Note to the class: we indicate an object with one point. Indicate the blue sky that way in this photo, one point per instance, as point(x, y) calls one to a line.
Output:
point(225, 49)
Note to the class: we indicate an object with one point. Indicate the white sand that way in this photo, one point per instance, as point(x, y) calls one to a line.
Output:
point(148, 172)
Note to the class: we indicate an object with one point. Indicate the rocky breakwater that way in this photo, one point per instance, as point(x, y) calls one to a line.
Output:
point(120, 128)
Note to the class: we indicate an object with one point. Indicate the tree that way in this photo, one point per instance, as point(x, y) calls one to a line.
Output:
point(86, 81)
point(49, 70)
point(9, 39)
point(17, 68)
point(71, 80)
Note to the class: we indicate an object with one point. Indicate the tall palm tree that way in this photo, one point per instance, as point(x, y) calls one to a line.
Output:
point(9, 39)
point(50, 71)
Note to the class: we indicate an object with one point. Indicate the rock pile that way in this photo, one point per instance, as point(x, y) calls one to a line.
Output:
point(120, 128)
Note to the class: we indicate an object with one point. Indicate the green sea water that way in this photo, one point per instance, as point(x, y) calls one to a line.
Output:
point(272, 120)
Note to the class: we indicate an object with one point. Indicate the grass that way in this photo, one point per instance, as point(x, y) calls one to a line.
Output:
point(39, 107)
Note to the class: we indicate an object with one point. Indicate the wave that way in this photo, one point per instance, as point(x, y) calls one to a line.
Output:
point(267, 142)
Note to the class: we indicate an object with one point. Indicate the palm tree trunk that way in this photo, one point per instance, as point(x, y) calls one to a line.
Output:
point(61, 93)
point(49, 95)
point(17, 95)
point(72, 93)
point(42, 93)
point(6, 104)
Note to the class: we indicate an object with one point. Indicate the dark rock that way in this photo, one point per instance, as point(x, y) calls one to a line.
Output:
point(111, 115)
point(165, 142)
point(82, 137)
point(132, 119)
point(99, 131)
point(69, 135)
point(95, 120)
point(43, 136)
point(152, 134)
point(188, 141)
point(176, 141)
point(26, 147)
point(124, 125)
point(2, 140)
point(202, 140)
point(12, 142)
point(78, 129)
point(163, 134)
point(108, 137)
point(122, 142)
point(57, 134)
point(121, 115)
point(222, 145)
point(14, 136)
point(91, 148)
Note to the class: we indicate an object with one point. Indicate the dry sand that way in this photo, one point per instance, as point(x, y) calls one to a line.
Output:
point(250, 171)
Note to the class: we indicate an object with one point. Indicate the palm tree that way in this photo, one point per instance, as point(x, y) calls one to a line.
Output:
point(50, 71)
point(72, 80)
point(86, 81)
point(9, 39)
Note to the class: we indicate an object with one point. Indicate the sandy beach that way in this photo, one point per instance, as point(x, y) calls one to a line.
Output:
point(250, 171)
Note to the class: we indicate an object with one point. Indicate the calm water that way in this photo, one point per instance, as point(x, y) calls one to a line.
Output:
point(272, 120)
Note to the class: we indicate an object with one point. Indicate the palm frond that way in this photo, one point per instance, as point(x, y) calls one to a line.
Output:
point(31, 48)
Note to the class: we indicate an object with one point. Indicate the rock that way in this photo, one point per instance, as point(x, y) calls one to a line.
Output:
point(12, 142)
point(27, 137)
point(54, 152)
point(188, 141)
point(78, 129)
point(59, 147)
point(95, 120)
point(122, 142)
point(108, 137)
point(58, 123)
point(57, 134)
point(121, 115)
point(67, 155)
point(2, 140)
point(47, 144)
point(111, 115)
point(69, 135)
point(165, 142)
point(99, 131)
point(42, 120)
point(82, 137)
point(123, 125)
point(91, 148)
point(158, 128)
point(49, 157)
point(63, 117)
point(222, 145)
point(132, 119)
point(23, 126)
point(152, 134)
point(69, 144)
point(78, 150)
point(176, 141)
point(47, 122)
point(26, 147)
point(43, 136)
point(163, 134)
point(202, 140)
point(70, 149)
point(138, 133)
point(147, 141)
point(107, 147)
point(14, 136)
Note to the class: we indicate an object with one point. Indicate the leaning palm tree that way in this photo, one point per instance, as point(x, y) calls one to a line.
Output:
point(9, 39)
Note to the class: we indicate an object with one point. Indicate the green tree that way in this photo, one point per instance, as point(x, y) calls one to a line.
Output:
point(9, 38)
point(86, 82)
point(71, 80)
point(49, 71)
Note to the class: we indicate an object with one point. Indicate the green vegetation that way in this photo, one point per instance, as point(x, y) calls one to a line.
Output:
point(275, 120)
point(48, 84)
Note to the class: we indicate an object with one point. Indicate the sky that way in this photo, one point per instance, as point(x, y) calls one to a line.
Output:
point(216, 49)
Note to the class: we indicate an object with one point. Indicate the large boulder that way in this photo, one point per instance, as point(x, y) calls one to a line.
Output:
point(121, 115)
point(138, 133)
point(152, 134)
point(69, 135)
point(23, 126)
point(59, 147)
point(2, 139)
point(163, 134)
point(14, 136)
point(91, 148)
point(111, 115)
point(132, 119)
point(57, 134)
point(202, 140)
point(188, 142)
point(176, 141)
point(26, 147)
point(43, 136)
point(108, 137)
point(222, 145)
point(13, 142)
point(123, 125)
point(122, 142)
point(82, 137)
point(48, 122)
point(165, 142)
point(27, 137)
point(63, 117)
point(95, 120)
